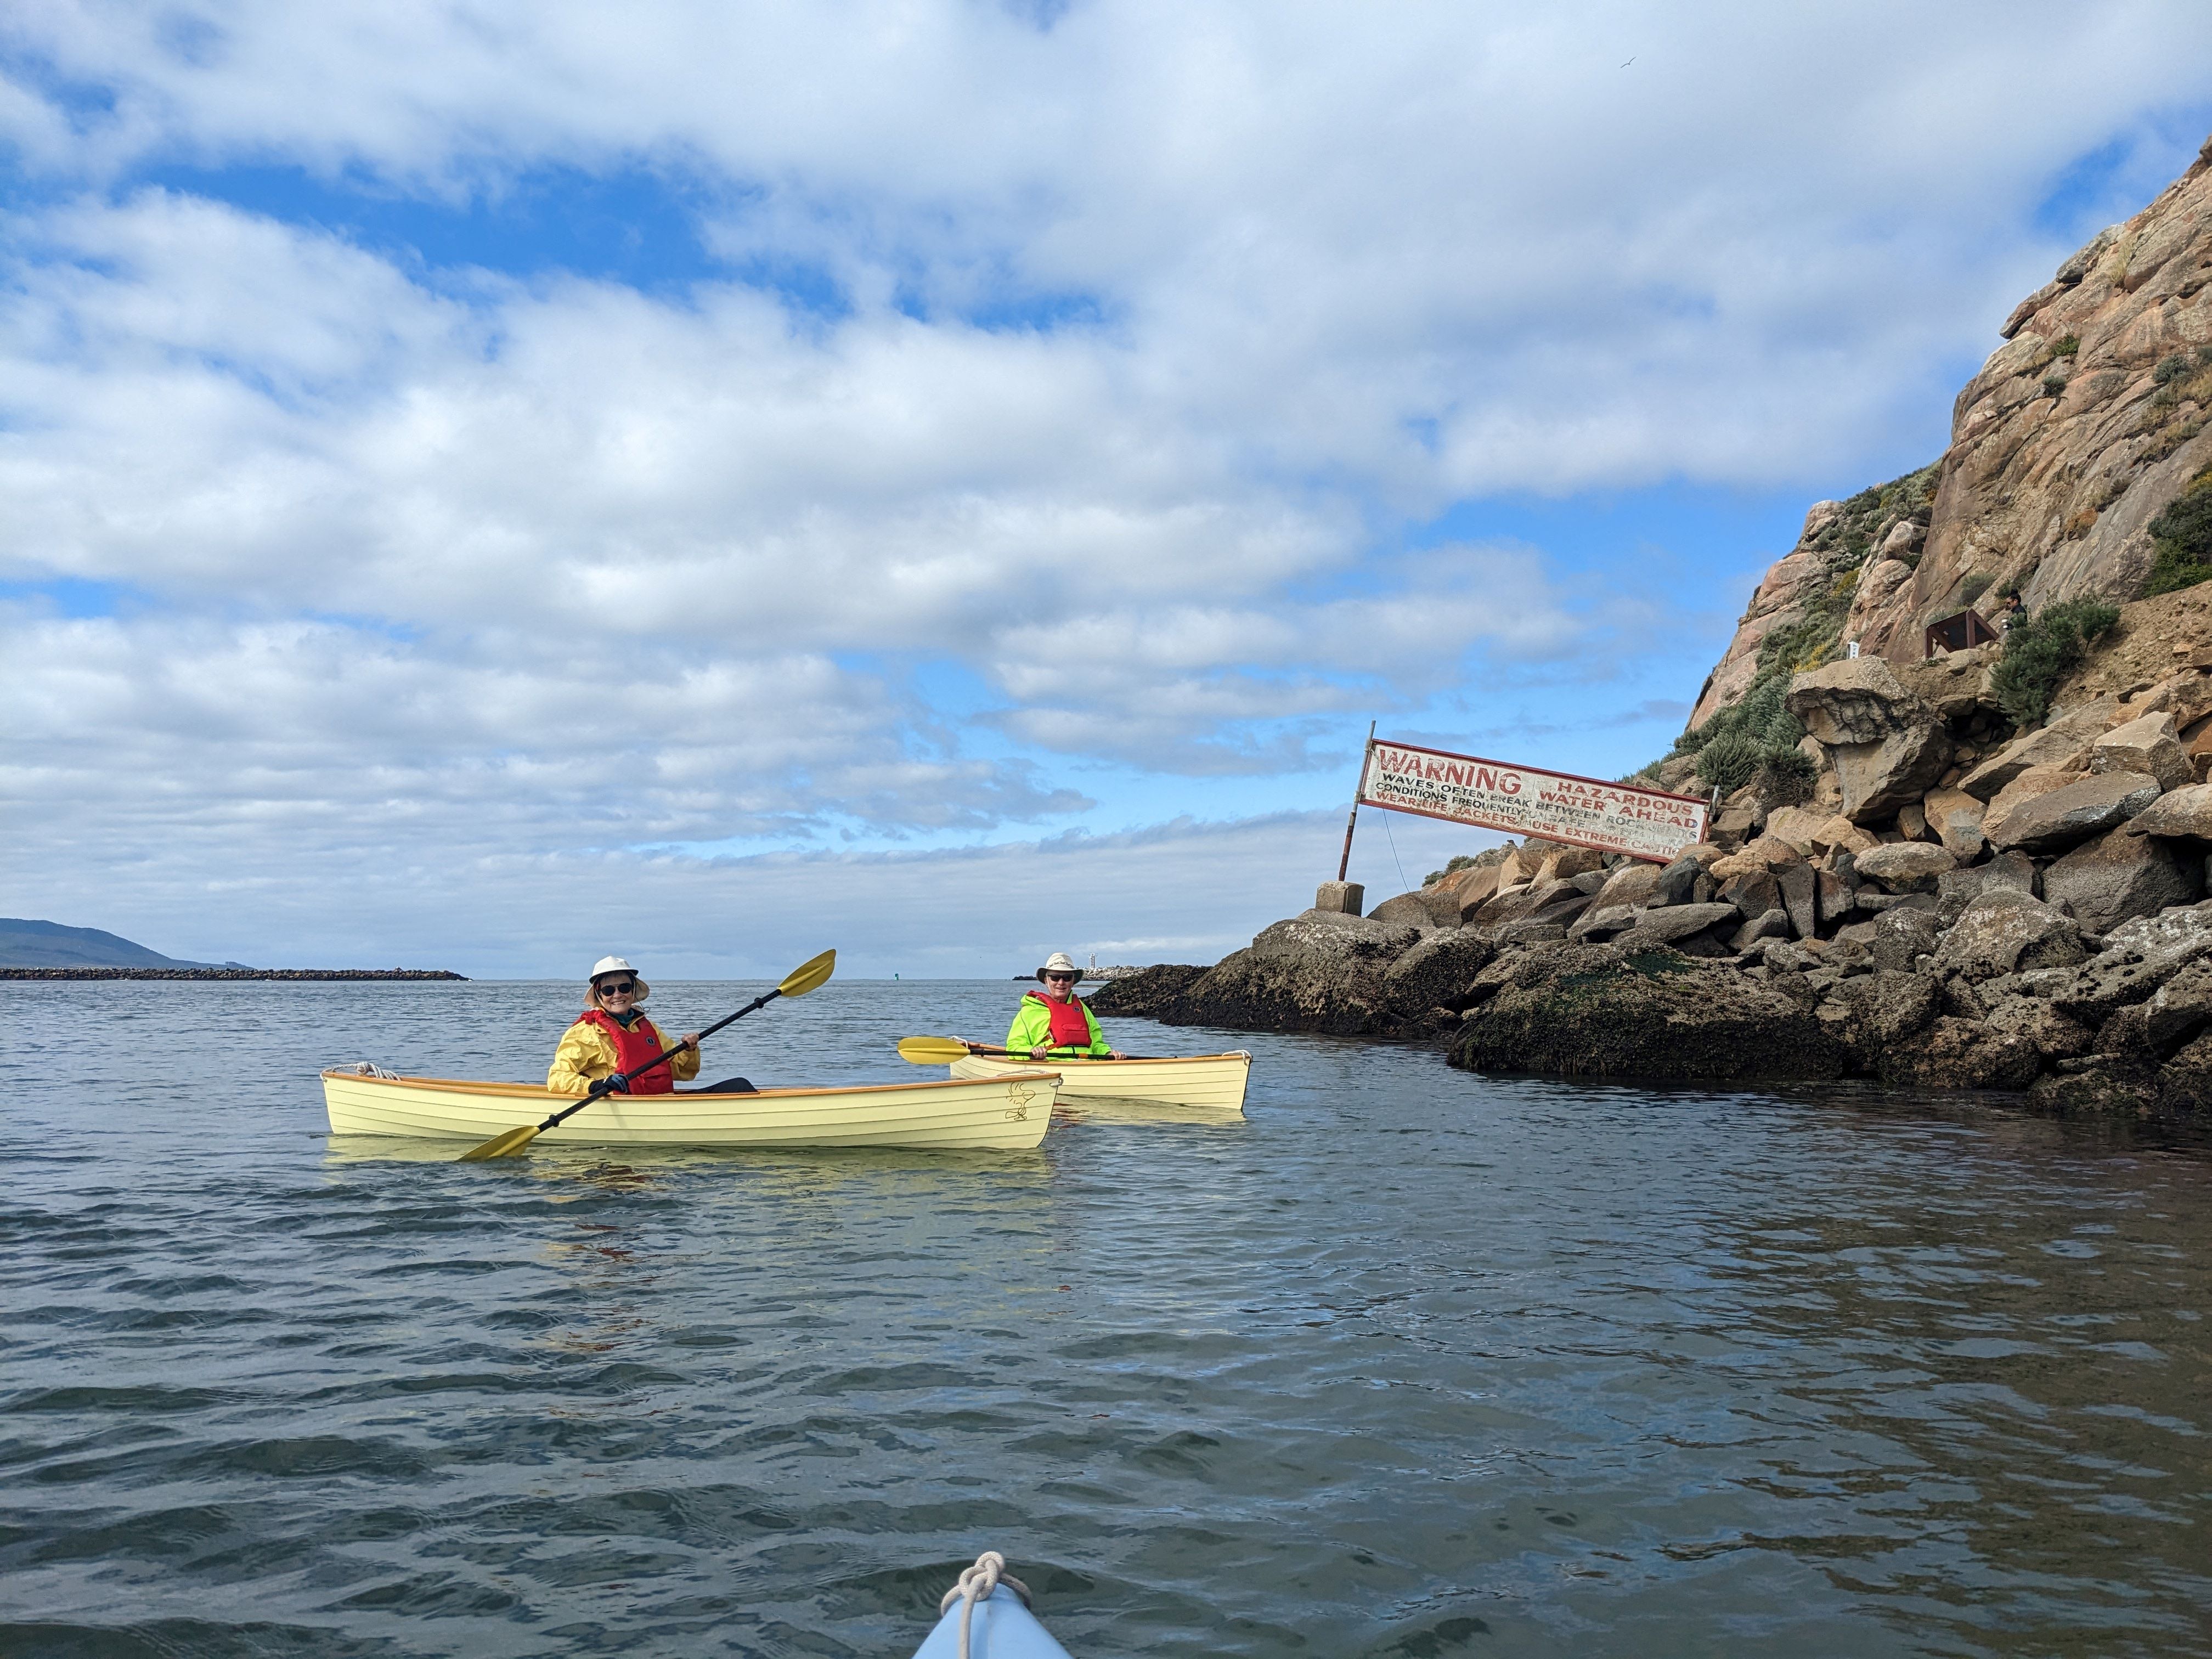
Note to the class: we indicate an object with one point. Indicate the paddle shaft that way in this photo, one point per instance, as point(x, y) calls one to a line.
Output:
point(606, 1085)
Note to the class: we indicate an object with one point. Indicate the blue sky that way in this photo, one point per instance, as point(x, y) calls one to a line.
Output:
point(486, 481)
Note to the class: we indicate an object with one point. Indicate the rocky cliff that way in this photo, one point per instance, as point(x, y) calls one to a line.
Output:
point(2076, 435)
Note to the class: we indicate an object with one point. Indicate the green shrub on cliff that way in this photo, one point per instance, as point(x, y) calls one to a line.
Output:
point(2040, 650)
point(1755, 734)
point(2182, 534)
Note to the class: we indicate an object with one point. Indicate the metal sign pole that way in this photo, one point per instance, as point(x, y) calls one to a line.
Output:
point(1365, 755)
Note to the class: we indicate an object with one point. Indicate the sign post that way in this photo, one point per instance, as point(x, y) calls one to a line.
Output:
point(1345, 863)
point(1527, 800)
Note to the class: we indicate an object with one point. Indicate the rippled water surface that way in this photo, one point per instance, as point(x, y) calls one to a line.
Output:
point(1408, 1364)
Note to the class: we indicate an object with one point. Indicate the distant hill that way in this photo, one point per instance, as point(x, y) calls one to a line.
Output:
point(26, 944)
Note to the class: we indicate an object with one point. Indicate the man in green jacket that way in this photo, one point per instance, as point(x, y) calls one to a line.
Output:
point(1054, 1021)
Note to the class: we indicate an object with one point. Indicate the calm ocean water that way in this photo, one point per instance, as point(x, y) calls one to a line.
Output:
point(1409, 1363)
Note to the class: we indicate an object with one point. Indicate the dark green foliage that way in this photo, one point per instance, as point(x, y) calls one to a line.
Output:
point(2054, 386)
point(2170, 368)
point(1647, 773)
point(2040, 650)
point(1973, 587)
point(1784, 776)
point(2182, 533)
point(2067, 346)
point(1766, 729)
point(1727, 762)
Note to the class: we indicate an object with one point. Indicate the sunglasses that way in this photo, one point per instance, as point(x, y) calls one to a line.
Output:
point(1060, 979)
point(619, 988)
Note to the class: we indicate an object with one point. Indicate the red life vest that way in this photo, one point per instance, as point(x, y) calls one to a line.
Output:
point(634, 1047)
point(1070, 1028)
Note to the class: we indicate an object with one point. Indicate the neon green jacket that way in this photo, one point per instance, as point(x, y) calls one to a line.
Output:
point(1032, 1027)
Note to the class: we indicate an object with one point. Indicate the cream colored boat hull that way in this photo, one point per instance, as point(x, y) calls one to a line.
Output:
point(1007, 1111)
point(1212, 1082)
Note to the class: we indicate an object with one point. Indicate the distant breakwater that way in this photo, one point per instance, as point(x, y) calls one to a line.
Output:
point(229, 973)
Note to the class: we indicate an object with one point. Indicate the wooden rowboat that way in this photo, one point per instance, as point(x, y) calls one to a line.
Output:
point(1007, 1111)
point(1213, 1082)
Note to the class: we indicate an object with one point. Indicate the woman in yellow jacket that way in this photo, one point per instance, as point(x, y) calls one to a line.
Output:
point(1055, 1021)
point(613, 1034)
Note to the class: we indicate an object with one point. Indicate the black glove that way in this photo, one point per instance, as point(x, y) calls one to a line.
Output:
point(616, 1084)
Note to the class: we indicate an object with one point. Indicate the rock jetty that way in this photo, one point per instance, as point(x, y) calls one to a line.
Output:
point(1934, 862)
point(2033, 919)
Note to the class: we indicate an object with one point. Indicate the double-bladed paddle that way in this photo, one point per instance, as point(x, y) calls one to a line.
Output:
point(809, 975)
point(943, 1051)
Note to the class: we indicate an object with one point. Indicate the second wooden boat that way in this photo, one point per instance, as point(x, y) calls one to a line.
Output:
point(1212, 1082)
point(1004, 1112)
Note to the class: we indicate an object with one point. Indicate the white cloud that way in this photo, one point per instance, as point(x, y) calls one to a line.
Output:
point(389, 536)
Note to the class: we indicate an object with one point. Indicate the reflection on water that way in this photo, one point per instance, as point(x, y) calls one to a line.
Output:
point(1407, 1363)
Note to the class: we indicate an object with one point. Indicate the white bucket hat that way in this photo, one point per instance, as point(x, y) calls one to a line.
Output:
point(1057, 962)
point(606, 965)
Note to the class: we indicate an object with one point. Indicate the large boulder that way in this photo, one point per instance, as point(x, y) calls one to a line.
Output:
point(1801, 886)
point(2064, 740)
point(1968, 1053)
point(1800, 827)
point(2147, 746)
point(1601, 1010)
point(1475, 889)
point(1436, 972)
point(2183, 814)
point(2139, 956)
point(1855, 701)
point(2096, 1086)
point(1878, 1016)
point(2067, 817)
point(2030, 785)
point(1415, 909)
point(1631, 882)
point(1318, 971)
point(2177, 1013)
point(2118, 877)
point(1145, 993)
point(1902, 937)
point(1888, 746)
point(2004, 931)
point(1905, 866)
point(1879, 778)
point(1953, 684)
point(1956, 819)
point(1680, 922)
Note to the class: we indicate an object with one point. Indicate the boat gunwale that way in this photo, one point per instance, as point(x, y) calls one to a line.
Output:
point(1059, 1062)
point(530, 1090)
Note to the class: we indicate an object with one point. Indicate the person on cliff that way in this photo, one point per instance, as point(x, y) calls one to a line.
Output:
point(613, 1034)
point(1054, 1021)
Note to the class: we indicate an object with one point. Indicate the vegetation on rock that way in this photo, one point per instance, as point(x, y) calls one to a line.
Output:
point(1755, 734)
point(2182, 533)
point(2040, 650)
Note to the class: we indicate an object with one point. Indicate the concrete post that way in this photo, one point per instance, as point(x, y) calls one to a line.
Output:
point(1345, 898)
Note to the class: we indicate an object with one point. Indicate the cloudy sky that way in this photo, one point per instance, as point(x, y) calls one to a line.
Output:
point(484, 484)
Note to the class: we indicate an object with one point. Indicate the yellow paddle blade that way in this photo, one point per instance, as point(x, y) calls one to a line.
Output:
point(809, 975)
point(932, 1051)
point(505, 1145)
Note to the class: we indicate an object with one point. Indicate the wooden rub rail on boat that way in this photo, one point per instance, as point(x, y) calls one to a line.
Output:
point(1007, 1111)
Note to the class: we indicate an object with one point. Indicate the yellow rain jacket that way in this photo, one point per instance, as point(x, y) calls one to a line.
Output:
point(587, 1054)
point(1032, 1027)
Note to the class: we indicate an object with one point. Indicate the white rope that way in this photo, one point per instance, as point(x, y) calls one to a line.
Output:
point(976, 1585)
point(370, 1068)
